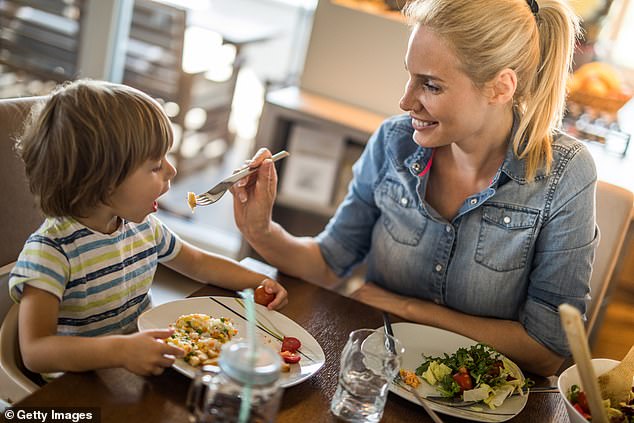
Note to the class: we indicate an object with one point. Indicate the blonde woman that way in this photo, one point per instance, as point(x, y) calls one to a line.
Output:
point(472, 211)
point(95, 156)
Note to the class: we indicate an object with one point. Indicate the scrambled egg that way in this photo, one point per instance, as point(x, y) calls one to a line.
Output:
point(201, 337)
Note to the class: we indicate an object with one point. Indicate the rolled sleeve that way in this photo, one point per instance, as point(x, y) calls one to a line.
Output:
point(567, 284)
point(564, 254)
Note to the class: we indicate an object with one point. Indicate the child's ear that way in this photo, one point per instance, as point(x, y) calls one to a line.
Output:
point(503, 87)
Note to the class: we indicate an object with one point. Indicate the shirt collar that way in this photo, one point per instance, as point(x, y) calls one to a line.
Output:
point(512, 166)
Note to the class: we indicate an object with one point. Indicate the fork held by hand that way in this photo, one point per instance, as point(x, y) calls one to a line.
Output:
point(221, 187)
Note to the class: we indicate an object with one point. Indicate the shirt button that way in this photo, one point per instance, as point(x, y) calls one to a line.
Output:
point(507, 219)
point(448, 228)
point(473, 201)
point(438, 268)
point(404, 201)
point(416, 167)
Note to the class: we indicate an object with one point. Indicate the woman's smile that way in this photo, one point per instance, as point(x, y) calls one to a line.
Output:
point(420, 125)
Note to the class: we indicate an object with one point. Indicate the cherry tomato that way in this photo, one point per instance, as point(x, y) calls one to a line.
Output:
point(262, 297)
point(290, 357)
point(463, 379)
point(290, 344)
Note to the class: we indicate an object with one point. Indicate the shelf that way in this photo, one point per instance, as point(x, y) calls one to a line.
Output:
point(325, 109)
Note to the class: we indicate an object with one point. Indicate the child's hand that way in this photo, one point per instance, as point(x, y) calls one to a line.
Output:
point(145, 353)
point(274, 288)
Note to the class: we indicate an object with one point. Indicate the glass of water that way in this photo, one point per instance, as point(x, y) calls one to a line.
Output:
point(368, 365)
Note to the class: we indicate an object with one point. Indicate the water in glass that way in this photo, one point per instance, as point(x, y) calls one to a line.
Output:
point(367, 366)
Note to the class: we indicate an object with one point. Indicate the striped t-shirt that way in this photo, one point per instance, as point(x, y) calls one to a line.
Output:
point(101, 280)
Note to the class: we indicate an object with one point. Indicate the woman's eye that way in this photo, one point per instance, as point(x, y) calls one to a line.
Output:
point(431, 87)
point(157, 168)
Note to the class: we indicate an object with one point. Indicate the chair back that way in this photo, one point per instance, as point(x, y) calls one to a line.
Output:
point(20, 217)
point(18, 212)
point(614, 215)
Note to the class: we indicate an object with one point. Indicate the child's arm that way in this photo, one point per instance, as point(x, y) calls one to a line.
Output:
point(224, 272)
point(43, 351)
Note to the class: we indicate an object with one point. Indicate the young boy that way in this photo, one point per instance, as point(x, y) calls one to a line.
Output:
point(95, 157)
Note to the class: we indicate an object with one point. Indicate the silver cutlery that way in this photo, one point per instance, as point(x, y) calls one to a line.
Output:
point(218, 190)
point(389, 344)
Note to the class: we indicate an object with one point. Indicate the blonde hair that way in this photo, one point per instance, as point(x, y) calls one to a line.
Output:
point(489, 36)
point(84, 139)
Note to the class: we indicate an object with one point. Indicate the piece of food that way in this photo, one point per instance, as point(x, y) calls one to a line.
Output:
point(290, 357)
point(477, 373)
point(290, 343)
point(289, 348)
point(617, 383)
point(409, 378)
point(262, 297)
point(191, 200)
point(201, 337)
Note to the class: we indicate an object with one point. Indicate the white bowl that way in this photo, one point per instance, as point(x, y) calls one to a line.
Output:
point(570, 377)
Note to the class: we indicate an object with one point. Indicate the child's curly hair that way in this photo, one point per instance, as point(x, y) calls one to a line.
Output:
point(84, 139)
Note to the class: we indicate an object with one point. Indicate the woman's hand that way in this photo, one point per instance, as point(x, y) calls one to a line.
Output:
point(145, 353)
point(254, 195)
point(274, 288)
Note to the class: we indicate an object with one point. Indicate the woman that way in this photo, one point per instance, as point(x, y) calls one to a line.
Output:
point(484, 224)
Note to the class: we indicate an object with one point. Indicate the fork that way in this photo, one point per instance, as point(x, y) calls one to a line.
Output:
point(389, 344)
point(215, 193)
point(422, 401)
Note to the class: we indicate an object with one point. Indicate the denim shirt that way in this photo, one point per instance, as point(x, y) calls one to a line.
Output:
point(515, 250)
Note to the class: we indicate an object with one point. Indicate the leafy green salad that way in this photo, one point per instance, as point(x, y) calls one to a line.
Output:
point(477, 373)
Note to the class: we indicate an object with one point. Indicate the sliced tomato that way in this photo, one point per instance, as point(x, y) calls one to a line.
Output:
point(582, 400)
point(290, 357)
point(291, 344)
point(583, 413)
point(463, 379)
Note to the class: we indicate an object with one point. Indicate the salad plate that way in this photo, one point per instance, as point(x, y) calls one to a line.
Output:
point(271, 327)
point(420, 340)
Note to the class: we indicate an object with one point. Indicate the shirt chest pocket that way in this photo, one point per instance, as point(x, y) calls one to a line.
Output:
point(506, 236)
point(399, 213)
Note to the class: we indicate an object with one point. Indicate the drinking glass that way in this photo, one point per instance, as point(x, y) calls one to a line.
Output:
point(219, 394)
point(368, 364)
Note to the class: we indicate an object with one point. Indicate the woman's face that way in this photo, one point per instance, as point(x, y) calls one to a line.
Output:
point(443, 103)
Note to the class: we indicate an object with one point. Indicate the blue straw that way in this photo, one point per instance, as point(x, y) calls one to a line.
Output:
point(245, 404)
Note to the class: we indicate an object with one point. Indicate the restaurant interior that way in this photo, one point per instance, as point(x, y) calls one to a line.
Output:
point(315, 78)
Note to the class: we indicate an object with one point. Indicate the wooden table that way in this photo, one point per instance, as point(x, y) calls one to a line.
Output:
point(125, 397)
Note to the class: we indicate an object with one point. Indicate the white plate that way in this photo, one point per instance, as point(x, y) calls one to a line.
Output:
point(420, 339)
point(275, 323)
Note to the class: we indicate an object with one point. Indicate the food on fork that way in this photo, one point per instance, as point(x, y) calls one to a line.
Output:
point(201, 337)
point(477, 373)
point(191, 200)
